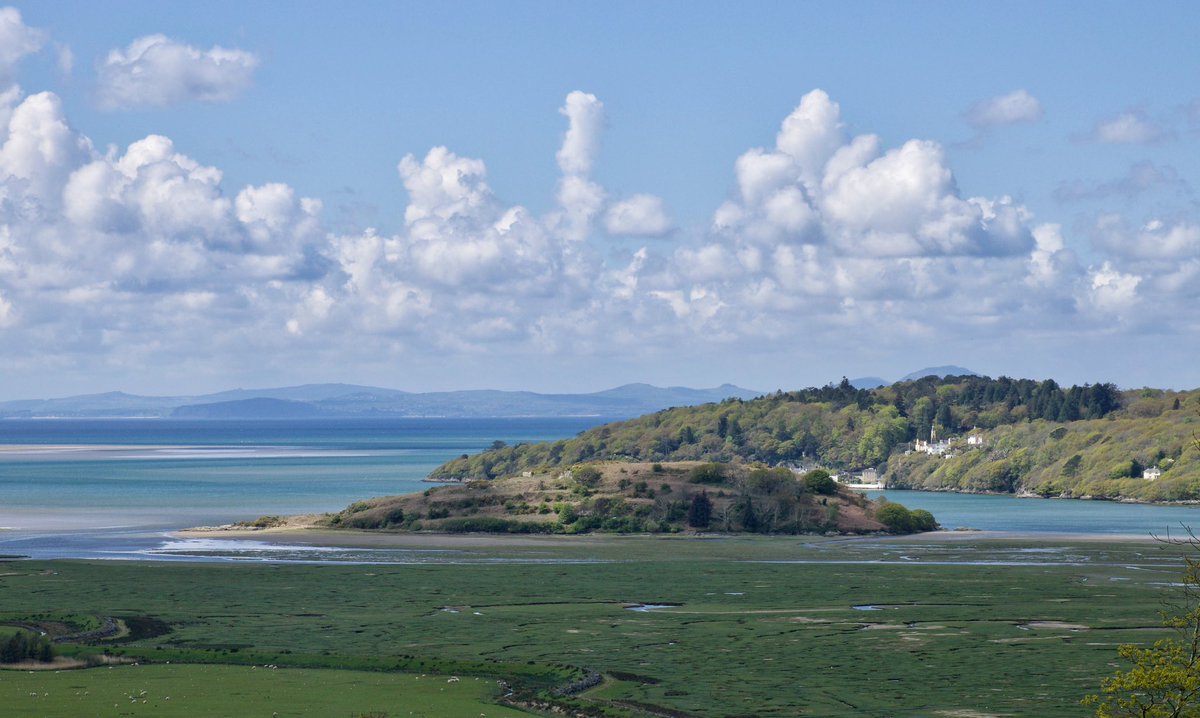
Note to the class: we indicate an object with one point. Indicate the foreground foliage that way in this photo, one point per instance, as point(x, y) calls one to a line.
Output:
point(1163, 681)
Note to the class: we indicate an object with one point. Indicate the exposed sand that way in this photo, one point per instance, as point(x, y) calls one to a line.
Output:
point(303, 530)
point(1057, 625)
point(63, 448)
point(343, 538)
point(1040, 537)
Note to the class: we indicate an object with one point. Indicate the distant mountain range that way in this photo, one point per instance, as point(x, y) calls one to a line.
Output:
point(349, 400)
point(874, 382)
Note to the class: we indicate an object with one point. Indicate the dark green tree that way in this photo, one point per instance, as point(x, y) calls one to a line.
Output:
point(749, 517)
point(700, 512)
point(819, 481)
point(945, 418)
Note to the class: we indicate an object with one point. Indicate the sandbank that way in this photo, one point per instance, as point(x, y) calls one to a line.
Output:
point(303, 530)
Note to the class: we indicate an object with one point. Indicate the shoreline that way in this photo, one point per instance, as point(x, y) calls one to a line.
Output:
point(348, 538)
point(1024, 494)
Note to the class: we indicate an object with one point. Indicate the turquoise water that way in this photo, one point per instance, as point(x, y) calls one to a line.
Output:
point(85, 474)
point(118, 488)
point(1050, 516)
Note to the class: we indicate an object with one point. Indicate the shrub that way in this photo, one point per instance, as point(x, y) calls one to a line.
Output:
point(586, 475)
point(710, 473)
point(491, 524)
point(900, 520)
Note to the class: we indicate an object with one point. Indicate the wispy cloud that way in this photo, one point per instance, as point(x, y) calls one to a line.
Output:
point(1142, 177)
point(1127, 128)
point(1009, 109)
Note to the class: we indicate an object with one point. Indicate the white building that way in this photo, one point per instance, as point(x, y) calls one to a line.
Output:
point(1152, 473)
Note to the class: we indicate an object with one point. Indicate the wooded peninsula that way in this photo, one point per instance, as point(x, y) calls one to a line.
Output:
point(957, 433)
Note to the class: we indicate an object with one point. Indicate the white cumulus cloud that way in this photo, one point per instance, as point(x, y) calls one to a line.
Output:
point(818, 187)
point(639, 215)
point(143, 255)
point(1172, 242)
point(1112, 290)
point(155, 71)
point(16, 41)
point(581, 143)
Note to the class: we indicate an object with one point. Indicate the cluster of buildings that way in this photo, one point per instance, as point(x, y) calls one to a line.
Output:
point(867, 479)
point(943, 447)
point(946, 449)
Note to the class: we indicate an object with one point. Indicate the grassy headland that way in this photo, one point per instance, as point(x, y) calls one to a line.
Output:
point(627, 497)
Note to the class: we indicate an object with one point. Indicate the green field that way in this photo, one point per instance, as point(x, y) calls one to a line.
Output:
point(941, 626)
point(190, 690)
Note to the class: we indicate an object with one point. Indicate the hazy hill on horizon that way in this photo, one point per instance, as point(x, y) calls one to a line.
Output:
point(353, 400)
point(941, 372)
point(307, 401)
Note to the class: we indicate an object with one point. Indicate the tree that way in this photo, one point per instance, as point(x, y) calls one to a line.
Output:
point(700, 512)
point(22, 647)
point(895, 517)
point(819, 481)
point(749, 516)
point(945, 418)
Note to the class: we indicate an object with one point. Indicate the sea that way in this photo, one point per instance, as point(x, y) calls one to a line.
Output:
point(120, 488)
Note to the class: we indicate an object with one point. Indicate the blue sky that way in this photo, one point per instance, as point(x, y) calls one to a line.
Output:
point(197, 196)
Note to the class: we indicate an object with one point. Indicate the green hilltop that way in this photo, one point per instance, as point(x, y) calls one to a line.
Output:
point(632, 497)
point(1026, 437)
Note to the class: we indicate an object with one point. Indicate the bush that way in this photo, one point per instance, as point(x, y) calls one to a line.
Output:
point(900, 520)
point(262, 522)
point(491, 524)
point(895, 517)
point(587, 475)
point(708, 474)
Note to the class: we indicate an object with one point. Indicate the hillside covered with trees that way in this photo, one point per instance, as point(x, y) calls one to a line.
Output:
point(621, 497)
point(1037, 437)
